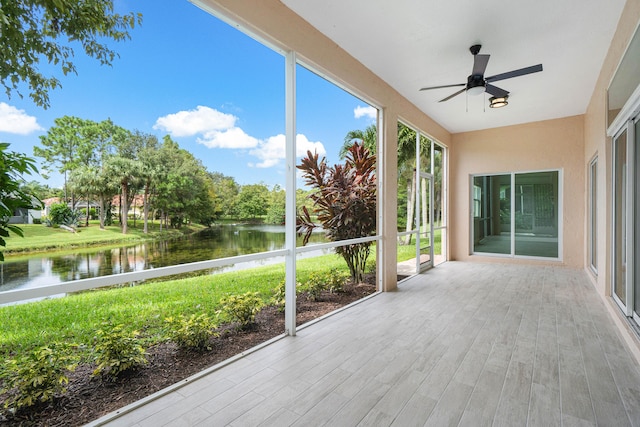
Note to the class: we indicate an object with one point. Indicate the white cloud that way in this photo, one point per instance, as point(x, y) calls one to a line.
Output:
point(214, 129)
point(367, 111)
point(230, 138)
point(303, 145)
point(202, 120)
point(17, 121)
point(272, 151)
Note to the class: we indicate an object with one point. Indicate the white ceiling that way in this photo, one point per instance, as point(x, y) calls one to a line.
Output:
point(417, 43)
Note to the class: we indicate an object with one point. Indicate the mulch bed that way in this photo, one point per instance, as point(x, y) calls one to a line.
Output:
point(88, 399)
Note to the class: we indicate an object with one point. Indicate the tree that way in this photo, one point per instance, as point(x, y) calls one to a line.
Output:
point(344, 203)
point(226, 192)
point(252, 201)
point(183, 189)
point(368, 137)
point(124, 170)
point(12, 196)
point(407, 171)
point(77, 146)
point(66, 146)
point(33, 30)
point(277, 206)
point(149, 157)
point(40, 190)
point(95, 181)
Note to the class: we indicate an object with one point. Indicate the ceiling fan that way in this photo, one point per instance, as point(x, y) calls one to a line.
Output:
point(477, 83)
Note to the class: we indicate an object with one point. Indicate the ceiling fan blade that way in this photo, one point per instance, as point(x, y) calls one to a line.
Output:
point(480, 64)
point(441, 87)
point(515, 73)
point(495, 91)
point(451, 96)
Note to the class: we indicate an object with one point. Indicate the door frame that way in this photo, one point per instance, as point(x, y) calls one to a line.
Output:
point(423, 266)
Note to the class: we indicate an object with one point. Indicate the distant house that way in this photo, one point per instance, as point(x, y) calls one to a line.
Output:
point(46, 204)
point(26, 216)
point(135, 208)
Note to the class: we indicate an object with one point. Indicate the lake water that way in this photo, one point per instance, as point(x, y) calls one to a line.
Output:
point(218, 242)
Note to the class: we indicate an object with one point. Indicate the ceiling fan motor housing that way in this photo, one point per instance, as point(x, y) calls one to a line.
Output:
point(475, 80)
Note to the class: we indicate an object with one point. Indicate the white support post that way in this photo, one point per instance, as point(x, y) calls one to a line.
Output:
point(290, 190)
point(380, 202)
point(417, 202)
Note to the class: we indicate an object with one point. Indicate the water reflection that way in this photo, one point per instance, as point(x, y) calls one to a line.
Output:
point(218, 242)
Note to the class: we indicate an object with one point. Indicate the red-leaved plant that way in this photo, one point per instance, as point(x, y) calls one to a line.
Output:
point(344, 202)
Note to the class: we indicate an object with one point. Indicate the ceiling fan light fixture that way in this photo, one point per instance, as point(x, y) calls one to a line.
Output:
point(476, 90)
point(498, 101)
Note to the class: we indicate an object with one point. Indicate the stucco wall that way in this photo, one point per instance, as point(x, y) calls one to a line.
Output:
point(597, 142)
point(551, 144)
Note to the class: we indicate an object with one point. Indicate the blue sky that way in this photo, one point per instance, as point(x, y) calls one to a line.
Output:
point(216, 91)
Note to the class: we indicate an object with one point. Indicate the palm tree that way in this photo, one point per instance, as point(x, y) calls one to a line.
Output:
point(97, 182)
point(407, 171)
point(406, 162)
point(149, 156)
point(368, 137)
point(126, 171)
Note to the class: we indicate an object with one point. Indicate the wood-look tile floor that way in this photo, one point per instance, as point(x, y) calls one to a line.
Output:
point(465, 344)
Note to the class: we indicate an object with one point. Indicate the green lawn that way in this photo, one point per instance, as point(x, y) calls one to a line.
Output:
point(37, 237)
point(75, 318)
point(407, 252)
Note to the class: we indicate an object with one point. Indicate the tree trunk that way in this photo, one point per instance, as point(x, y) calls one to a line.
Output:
point(66, 198)
point(124, 205)
point(86, 221)
point(102, 213)
point(411, 196)
point(145, 203)
point(120, 210)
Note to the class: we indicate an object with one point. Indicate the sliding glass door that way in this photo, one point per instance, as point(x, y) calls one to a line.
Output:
point(492, 214)
point(626, 219)
point(620, 215)
point(516, 214)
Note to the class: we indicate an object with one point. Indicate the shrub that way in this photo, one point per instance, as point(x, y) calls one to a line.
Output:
point(335, 280)
point(57, 213)
point(37, 376)
point(242, 308)
point(61, 214)
point(117, 350)
point(332, 281)
point(191, 332)
point(314, 286)
point(278, 295)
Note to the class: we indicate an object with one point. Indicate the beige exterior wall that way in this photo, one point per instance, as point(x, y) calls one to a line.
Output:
point(598, 144)
point(551, 144)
